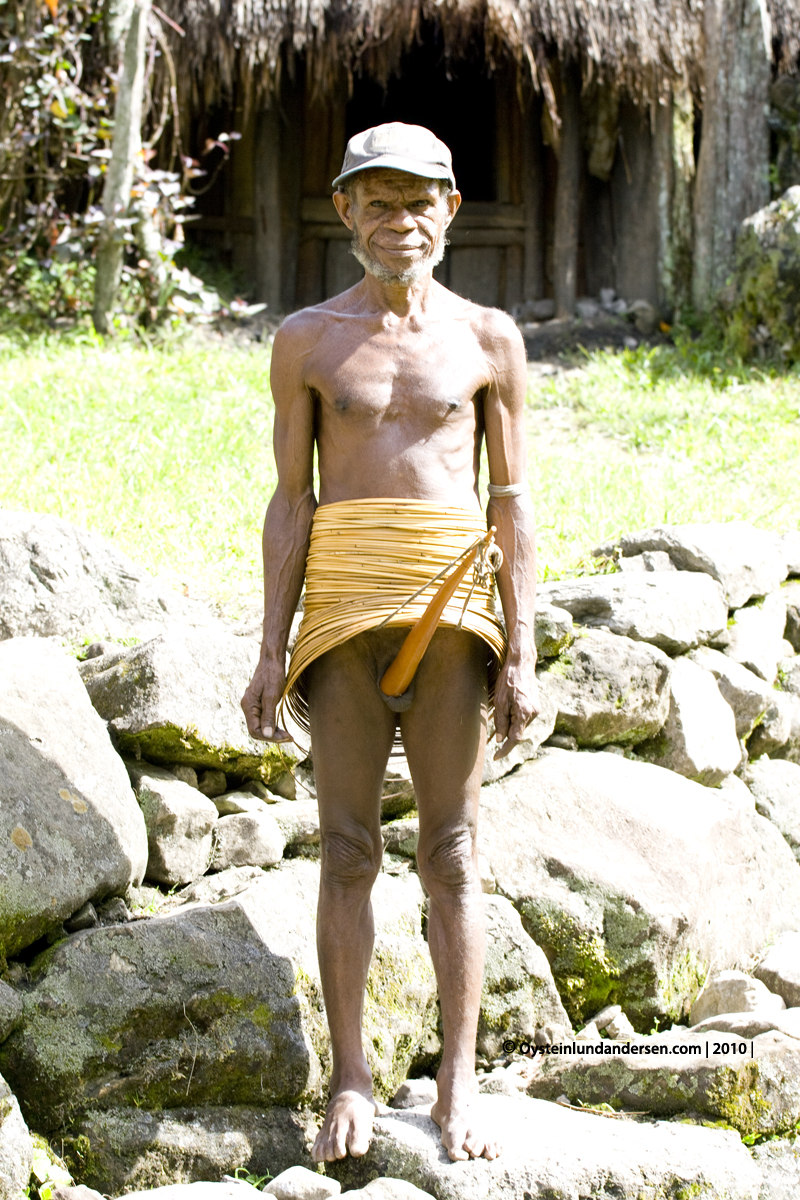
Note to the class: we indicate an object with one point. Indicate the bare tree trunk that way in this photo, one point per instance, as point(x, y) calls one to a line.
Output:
point(533, 200)
point(732, 179)
point(126, 145)
point(565, 249)
point(268, 242)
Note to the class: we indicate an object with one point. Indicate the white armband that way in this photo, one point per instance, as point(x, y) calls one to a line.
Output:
point(507, 489)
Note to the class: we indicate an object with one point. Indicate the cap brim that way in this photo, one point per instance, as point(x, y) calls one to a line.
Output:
point(394, 162)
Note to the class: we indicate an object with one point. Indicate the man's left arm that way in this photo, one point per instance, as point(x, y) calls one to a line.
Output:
point(516, 693)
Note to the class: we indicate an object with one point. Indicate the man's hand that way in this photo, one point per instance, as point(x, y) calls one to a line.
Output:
point(261, 700)
point(516, 702)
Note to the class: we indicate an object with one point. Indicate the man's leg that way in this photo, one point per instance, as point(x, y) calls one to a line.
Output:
point(351, 732)
point(444, 734)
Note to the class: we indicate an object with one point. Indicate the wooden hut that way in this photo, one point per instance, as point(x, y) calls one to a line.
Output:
point(573, 123)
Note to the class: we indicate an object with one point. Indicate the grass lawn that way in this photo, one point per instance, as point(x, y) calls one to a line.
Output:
point(168, 451)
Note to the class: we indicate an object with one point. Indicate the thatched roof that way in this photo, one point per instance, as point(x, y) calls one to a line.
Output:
point(638, 44)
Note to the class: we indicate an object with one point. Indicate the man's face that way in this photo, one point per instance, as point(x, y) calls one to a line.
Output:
point(398, 222)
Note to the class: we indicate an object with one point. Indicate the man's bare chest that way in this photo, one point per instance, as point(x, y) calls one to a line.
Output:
point(385, 378)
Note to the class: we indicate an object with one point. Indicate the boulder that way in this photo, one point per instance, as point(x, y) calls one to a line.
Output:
point(699, 736)
point(775, 784)
point(762, 308)
point(789, 674)
point(790, 592)
point(539, 730)
point(608, 689)
point(390, 1189)
point(16, 1147)
point(210, 889)
point(213, 1004)
point(175, 699)
point(70, 827)
point(632, 879)
point(519, 995)
point(648, 560)
point(744, 560)
point(779, 969)
point(756, 636)
point(675, 610)
point(790, 747)
point(553, 630)
point(179, 822)
point(747, 693)
point(247, 840)
point(689, 1073)
point(11, 1010)
point(774, 729)
point(56, 580)
point(298, 821)
point(733, 992)
point(133, 1149)
point(553, 1152)
point(298, 1183)
point(751, 1024)
point(778, 1163)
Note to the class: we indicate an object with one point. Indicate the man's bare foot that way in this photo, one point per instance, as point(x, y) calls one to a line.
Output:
point(347, 1127)
point(464, 1130)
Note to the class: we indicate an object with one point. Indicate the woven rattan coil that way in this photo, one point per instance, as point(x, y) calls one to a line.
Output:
point(366, 558)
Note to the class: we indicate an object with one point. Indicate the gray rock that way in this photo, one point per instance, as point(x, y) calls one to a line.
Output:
point(606, 1016)
point(298, 1183)
point(789, 749)
point(539, 730)
point(562, 1155)
point(228, 1189)
point(214, 1003)
point(179, 822)
point(16, 1147)
point(789, 674)
point(586, 308)
point(775, 784)
point(675, 610)
point(736, 791)
point(699, 736)
point(186, 774)
point(746, 693)
point(519, 994)
point(619, 1028)
point(649, 560)
point(791, 594)
point(212, 889)
point(754, 1095)
point(401, 837)
point(538, 310)
point(56, 580)
point(779, 969)
point(390, 1189)
point(751, 1024)
point(212, 783)
point(11, 1010)
point(134, 1149)
point(775, 727)
point(733, 992)
point(70, 827)
point(62, 1192)
point(553, 630)
point(175, 699)
point(298, 821)
point(779, 1165)
point(415, 1093)
point(113, 912)
point(633, 919)
point(756, 636)
point(85, 918)
point(231, 803)
point(746, 561)
point(608, 689)
point(645, 316)
point(247, 840)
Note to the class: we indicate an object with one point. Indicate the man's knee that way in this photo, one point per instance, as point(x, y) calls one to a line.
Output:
point(350, 860)
point(447, 863)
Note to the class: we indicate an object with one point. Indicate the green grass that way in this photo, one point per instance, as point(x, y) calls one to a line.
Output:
point(651, 440)
point(168, 452)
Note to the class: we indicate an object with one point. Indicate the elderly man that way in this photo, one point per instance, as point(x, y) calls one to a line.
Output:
point(397, 381)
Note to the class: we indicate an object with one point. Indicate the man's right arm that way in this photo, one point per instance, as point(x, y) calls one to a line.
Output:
point(287, 525)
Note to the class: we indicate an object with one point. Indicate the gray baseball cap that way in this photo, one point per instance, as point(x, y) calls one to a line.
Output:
point(411, 148)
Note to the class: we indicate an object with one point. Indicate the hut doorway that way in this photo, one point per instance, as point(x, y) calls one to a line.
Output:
point(479, 117)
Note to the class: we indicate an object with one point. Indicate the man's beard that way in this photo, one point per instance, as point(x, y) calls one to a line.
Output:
point(399, 278)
